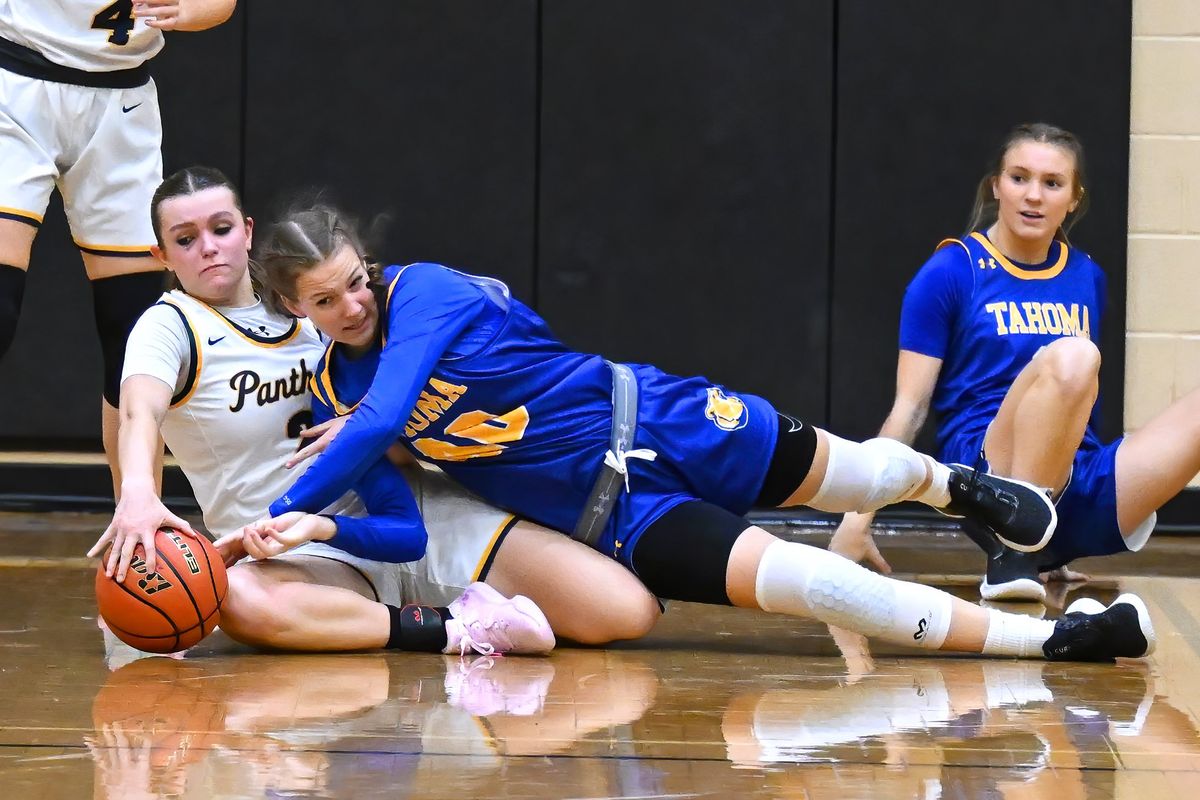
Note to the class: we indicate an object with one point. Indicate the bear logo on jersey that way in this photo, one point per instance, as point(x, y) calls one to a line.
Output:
point(726, 412)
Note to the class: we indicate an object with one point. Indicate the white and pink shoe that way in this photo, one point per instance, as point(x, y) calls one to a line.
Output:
point(491, 624)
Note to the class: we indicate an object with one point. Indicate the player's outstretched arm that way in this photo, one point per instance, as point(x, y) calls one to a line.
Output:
point(184, 15)
point(140, 512)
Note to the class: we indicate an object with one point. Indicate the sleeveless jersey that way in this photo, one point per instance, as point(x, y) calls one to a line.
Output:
point(89, 35)
point(474, 381)
point(986, 317)
point(234, 422)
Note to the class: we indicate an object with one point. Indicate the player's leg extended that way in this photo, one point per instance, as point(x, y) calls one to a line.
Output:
point(588, 597)
point(1041, 422)
point(840, 475)
point(1155, 462)
point(699, 552)
point(122, 288)
point(16, 241)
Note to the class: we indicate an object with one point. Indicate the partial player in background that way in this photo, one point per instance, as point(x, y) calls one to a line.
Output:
point(79, 111)
point(225, 379)
point(998, 334)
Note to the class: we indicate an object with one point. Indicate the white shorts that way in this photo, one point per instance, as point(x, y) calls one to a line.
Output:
point(100, 147)
point(464, 535)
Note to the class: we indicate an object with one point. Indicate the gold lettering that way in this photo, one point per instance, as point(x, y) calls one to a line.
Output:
point(1033, 315)
point(1015, 321)
point(1053, 320)
point(998, 310)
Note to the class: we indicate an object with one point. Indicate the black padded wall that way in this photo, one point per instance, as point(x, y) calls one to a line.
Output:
point(926, 91)
point(684, 194)
point(423, 111)
point(52, 375)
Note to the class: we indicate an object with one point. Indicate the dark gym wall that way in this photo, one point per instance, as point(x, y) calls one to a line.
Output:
point(684, 208)
point(655, 176)
point(925, 93)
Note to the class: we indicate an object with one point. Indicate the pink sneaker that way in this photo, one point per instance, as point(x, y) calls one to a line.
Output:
point(489, 623)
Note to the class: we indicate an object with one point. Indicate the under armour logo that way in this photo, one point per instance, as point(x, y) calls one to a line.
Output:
point(921, 626)
point(989, 264)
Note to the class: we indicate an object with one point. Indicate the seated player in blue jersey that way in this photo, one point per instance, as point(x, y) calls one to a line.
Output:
point(998, 334)
point(650, 469)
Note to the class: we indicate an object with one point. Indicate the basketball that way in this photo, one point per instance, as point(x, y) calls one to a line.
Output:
point(170, 609)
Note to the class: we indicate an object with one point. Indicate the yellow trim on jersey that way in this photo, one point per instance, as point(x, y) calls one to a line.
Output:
point(383, 312)
point(326, 385)
point(20, 212)
point(114, 248)
point(191, 390)
point(959, 242)
point(270, 345)
point(1018, 272)
point(491, 545)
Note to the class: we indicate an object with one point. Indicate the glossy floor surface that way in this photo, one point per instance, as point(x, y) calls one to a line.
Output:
point(716, 703)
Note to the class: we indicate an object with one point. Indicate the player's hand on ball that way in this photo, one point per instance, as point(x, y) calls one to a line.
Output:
point(138, 517)
point(322, 435)
point(853, 540)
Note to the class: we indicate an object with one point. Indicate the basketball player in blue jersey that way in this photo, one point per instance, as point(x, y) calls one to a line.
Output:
point(650, 469)
point(79, 111)
point(224, 380)
point(998, 334)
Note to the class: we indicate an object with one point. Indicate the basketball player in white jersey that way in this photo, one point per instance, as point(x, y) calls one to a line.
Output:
point(225, 380)
point(79, 111)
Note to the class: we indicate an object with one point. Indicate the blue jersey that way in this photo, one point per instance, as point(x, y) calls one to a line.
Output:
point(985, 317)
point(474, 381)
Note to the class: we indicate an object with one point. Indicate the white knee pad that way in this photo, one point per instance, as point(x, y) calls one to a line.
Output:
point(807, 581)
point(869, 475)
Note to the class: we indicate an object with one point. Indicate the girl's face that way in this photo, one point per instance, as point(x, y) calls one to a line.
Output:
point(1036, 190)
point(206, 243)
point(336, 295)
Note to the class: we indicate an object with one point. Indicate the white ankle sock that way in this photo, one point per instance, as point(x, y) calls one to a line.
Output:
point(937, 494)
point(1016, 635)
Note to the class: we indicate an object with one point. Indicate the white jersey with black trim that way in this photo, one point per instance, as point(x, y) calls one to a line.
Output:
point(241, 398)
point(90, 35)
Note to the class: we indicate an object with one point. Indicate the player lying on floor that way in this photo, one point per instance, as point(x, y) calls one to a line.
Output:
point(225, 381)
point(653, 470)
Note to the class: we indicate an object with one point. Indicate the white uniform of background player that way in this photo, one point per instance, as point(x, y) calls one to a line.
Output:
point(79, 111)
point(241, 397)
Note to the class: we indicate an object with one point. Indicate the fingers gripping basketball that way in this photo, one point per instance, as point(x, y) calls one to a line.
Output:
point(173, 608)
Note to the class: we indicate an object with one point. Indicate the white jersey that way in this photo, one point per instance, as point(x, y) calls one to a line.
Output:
point(240, 380)
point(88, 35)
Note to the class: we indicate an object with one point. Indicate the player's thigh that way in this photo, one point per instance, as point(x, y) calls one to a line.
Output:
point(299, 568)
point(99, 267)
point(587, 596)
point(16, 240)
point(108, 187)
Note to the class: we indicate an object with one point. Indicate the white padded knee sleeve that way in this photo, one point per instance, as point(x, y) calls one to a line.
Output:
point(807, 581)
point(866, 476)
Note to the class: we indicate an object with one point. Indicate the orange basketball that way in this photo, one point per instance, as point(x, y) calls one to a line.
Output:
point(173, 608)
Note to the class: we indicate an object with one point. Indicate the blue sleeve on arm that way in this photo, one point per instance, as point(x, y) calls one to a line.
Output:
point(393, 530)
point(932, 300)
point(430, 307)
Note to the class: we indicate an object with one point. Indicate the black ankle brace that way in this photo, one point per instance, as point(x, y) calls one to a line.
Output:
point(418, 629)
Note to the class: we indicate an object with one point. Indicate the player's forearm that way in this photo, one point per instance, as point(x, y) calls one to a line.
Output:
point(137, 451)
point(904, 422)
point(200, 15)
point(381, 538)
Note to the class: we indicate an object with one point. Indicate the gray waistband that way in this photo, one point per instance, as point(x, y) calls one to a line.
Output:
point(608, 483)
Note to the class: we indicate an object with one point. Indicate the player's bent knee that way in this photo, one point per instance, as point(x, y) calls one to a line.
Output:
point(254, 609)
point(1072, 363)
point(625, 617)
point(867, 476)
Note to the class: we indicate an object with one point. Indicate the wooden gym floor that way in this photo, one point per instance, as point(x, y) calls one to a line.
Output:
point(716, 703)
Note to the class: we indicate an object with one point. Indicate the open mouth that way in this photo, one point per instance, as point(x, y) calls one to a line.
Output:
point(1032, 215)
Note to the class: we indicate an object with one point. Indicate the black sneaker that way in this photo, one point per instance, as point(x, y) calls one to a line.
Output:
point(1019, 513)
point(1013, 575)
point(1088, 632)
